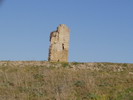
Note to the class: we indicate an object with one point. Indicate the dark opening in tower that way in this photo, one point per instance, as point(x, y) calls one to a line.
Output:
point(63, 46)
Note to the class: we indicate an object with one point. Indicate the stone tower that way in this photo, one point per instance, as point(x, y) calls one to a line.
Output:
point(59, 44)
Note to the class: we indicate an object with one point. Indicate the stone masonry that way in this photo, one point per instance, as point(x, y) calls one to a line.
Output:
point(59, 44)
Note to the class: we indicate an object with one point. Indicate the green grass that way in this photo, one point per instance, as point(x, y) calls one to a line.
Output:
point(65, 81)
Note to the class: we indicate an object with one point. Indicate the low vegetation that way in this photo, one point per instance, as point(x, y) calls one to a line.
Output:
point(65, 81)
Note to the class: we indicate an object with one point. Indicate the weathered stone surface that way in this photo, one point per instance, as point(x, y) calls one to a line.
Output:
point(59, 44)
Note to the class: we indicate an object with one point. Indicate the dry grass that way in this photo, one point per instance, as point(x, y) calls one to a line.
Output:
point(65, 81)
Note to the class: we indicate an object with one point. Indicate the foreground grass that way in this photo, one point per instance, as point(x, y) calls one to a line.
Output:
point(66, 81)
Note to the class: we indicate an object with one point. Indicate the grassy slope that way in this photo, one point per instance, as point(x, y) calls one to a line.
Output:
point(65, 81)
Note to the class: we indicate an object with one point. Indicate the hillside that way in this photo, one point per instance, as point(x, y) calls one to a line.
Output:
point(41, 80)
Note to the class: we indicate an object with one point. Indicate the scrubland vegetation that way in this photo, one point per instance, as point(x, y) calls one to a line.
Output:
point(65, 81)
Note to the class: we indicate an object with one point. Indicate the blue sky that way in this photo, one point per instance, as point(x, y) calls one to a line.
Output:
point(101, 30)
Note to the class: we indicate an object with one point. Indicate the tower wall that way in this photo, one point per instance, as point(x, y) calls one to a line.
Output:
point(59, 44)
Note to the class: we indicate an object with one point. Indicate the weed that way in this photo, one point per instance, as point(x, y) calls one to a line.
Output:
point(79, 83)
point(65, 64)
point(57, 81)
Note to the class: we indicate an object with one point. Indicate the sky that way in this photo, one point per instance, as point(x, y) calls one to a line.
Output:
point(101, 30)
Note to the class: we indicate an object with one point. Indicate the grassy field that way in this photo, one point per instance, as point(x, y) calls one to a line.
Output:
point(38, 80)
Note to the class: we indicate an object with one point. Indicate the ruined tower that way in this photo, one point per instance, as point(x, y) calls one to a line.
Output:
point(59, 44)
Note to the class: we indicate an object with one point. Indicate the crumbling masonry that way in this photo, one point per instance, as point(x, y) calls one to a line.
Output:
point(59, 44)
